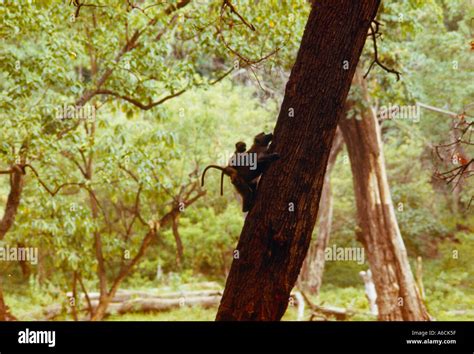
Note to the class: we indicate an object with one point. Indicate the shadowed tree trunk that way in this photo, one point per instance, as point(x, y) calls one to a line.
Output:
point(24, 266)
point(3, 306)
point(311, 274)
point(397, 295)
point(13, 202)
point(11, 208)
point(277, 231)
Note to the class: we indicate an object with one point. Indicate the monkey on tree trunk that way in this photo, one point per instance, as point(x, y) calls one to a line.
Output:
point(246, 167)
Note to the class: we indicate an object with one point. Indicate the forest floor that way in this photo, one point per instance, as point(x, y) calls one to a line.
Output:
point(445, 303)
point(455, 307)
point(448, 284)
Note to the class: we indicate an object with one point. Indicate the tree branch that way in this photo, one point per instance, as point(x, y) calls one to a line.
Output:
point(374, 33)
point(152, 232)
point(130, 44)
point(136, 102)
point(55, 191)
point(228, 4)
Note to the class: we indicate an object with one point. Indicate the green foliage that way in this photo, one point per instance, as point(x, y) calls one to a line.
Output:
point(344, 212)
point(211, 238)
point(182, 314)
point(343, 274)
point(449, 279)
point(143, 154)
point(418, 208)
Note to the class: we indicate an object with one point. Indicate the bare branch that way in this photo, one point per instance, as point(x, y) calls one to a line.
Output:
point(6, 172)
point(374, 32)
point(86, 294)
point(151, 105)
point(136, 102)
point(55, 191)
point(130, 173)
point(228, 4)
point(70, 156)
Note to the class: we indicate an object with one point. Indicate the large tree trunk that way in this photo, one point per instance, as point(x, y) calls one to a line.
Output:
point(311, 274)
point(277, 231)
point(397, 295)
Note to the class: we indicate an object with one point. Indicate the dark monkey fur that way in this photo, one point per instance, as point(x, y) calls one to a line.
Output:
point(245, 177)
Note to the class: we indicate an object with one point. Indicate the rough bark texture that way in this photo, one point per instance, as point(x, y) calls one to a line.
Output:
point(277, 231)
point(397, 295)
point(311, 274)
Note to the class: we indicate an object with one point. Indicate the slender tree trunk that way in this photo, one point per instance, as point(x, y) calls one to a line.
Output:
point(105, 297)
point(277, 231)
point(74, 296)
point(105, 300)
point(41, 268)
point(311, 274)
point(3, 306)
point(99, 254)
point(24, 266)
point(11, 209)
point(179, 242)
point(397, 295)
point(13, 200)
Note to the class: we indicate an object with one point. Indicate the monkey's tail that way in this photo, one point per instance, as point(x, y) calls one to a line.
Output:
point(222, 183)
point(217, 168)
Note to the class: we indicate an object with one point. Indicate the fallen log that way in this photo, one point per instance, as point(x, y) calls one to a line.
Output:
point(127, 301)
point(126, 295)
point(340, 314)
point(460, 312)
point(159, 305)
